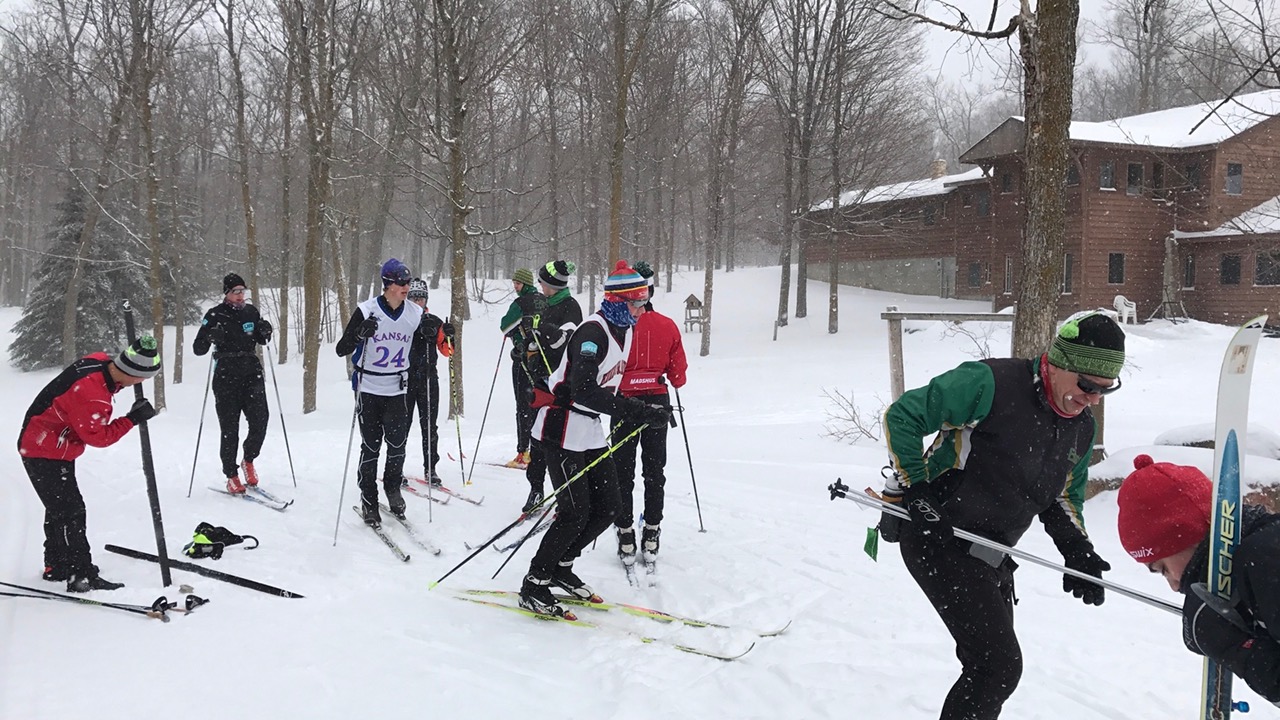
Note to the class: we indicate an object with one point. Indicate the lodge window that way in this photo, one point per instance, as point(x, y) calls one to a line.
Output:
point(1073, 174)
point(1133, 182)
point(1157, 176)
point(1008, 275)
point(984, 202)
point(1006, 183)
point(975, 275)
point(1115, 269)
point(1235, 178)
point(1189, 272)
point(1107, 175)
point(1267, 269)
point(1067, 263)
point(1229, 270)
point(1193, 176)
point(929, 214)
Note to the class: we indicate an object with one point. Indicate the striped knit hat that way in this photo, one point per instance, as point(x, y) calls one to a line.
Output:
point(141, 359)
point(556, 273)
point(624, 283)
point(523, 276)
point(1092, 344)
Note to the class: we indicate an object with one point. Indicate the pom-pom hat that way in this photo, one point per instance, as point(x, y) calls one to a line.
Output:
point(556, 273)
point(1090, 345)
point(1164, 509)
point(141, 359)
point(624, 283)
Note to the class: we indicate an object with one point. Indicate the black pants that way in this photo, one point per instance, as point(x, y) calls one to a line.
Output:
point(233, 395)
point(652, 444)
point(975, 602)
point(424, 394)
point(66, 547)
point(525, 413)
point(583, 510)
point(382, 416)
point(537, 469)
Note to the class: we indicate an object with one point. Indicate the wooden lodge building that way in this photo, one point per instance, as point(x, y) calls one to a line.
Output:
point(1182, 222)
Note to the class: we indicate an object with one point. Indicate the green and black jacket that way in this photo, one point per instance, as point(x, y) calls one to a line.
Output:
point(1000, 455)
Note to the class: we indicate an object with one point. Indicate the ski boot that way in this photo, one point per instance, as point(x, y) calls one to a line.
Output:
point(649, 542)
point(234, 486)
point(55, 574)
point(369, 513)
point(534, 499)
point(250, 475)
point(434, 478)
point(536, 597)
point(519, 462)
point(627, 545)
point(395, 501)
point(564, 578)
point(90, 580)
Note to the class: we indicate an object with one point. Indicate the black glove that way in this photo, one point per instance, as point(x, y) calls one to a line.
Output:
point(1085, 560)
point(141, 411)
point(218, 335)
point(927, 514)
point(1212, 627)
point(651, 415)
point(448, 330)
point(264, 331)
point(368, 328)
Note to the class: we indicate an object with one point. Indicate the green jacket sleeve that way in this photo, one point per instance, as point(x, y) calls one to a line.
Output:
point(512, 318)
point(954, 400)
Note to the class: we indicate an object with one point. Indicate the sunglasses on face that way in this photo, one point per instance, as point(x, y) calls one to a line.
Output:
point(236, 291)
point(1093, 388)
point(637, 303)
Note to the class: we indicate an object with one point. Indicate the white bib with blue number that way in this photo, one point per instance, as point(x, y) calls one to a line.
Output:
point(386, 364)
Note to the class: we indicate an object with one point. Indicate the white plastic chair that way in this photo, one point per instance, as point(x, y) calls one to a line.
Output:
point(1127, 309)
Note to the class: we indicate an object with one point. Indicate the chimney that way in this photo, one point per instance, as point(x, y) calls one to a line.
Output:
point(937, 169)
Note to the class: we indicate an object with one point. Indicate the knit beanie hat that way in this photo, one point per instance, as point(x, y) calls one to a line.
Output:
point(556, 273)
point(525, 276)
point(1092, 344)
point(624, 283)
point(646, 272)
point(394, 271)
point(1164, 509)
point(140, 359)
point(417, 289)
point(231, 282)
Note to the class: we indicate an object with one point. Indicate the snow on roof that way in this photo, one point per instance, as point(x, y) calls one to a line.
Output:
point(1261, 220)
point(1172, 128)
point(903, 190)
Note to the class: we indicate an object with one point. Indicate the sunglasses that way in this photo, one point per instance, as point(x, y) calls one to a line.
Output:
point(236, 291)
point(1092, 388)
point(637, 303)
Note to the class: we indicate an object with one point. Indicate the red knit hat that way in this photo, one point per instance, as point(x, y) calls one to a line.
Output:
point(1164, 509)
point(624, 283)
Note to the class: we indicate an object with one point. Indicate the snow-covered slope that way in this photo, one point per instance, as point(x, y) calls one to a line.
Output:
point(370, 640)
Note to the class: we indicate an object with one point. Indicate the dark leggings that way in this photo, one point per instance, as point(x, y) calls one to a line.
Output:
point(66, 546)
point(234, 395)
point(652, 444)
point(382, 416)
point(975, 602)
point(583, 510)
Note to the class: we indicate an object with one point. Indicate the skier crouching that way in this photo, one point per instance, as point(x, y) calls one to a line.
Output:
point(581, 389)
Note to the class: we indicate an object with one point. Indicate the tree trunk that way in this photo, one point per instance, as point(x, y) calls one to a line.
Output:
point(152, 182)
point(286, 212)
point(242, 150)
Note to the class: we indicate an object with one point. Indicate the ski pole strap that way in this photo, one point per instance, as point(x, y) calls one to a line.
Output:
point(867, 499)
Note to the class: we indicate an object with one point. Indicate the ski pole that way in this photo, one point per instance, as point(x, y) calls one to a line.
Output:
point(457, 419)
point(545, 501)
point(526, 537)
point(866, 499)
point(346, 464)
point(280, 410)
point(689, 454)
point(426, 427)
point(200, 430)
point(148, 462)
point(485, 417)
point(155, 610)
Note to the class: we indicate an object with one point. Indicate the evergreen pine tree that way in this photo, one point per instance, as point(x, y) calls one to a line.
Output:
point(111, 273)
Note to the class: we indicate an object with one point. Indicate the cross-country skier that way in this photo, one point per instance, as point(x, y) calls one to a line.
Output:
point(1013, 442)
point(582, 388)
point(71, 413)
point(235, 329)
point(433, 338)
point(517, 324)
point(657, 355)
point(380, 334)
point(558, 318)
point(1164, 523)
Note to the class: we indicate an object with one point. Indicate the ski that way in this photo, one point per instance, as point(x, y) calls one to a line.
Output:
point(650, 572)
point(632, 579)
point(444, 490)
point(1230, 430)
point(257, 490)
point(205, 571)
point(537, 530)
point(636, 610)
point(412, 530)
point(414, 490)
point(571, 619)
point(254, 499)
point(401, 555)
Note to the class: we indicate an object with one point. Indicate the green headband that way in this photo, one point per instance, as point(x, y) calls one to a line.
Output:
point(1084, 359)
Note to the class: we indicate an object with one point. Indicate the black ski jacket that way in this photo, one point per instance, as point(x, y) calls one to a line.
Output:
point(1255, 595)
point(235, 333)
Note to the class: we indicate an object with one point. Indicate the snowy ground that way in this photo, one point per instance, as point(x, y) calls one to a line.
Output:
point(370, 640)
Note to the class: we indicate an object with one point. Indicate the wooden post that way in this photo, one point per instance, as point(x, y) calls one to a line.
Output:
point(896, 380)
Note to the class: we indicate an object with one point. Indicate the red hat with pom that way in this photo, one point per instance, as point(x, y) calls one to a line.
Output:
point(624, 283)
point(1164, 509)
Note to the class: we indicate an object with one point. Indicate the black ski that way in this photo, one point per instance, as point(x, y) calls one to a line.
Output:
point(412, 530)
point(253, 498)
point(205, 571)
point(401, 555)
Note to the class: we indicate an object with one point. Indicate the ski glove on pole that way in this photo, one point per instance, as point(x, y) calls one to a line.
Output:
point(368, 328)
point(1084, 559)
point(891, 525)
point(141, 411)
